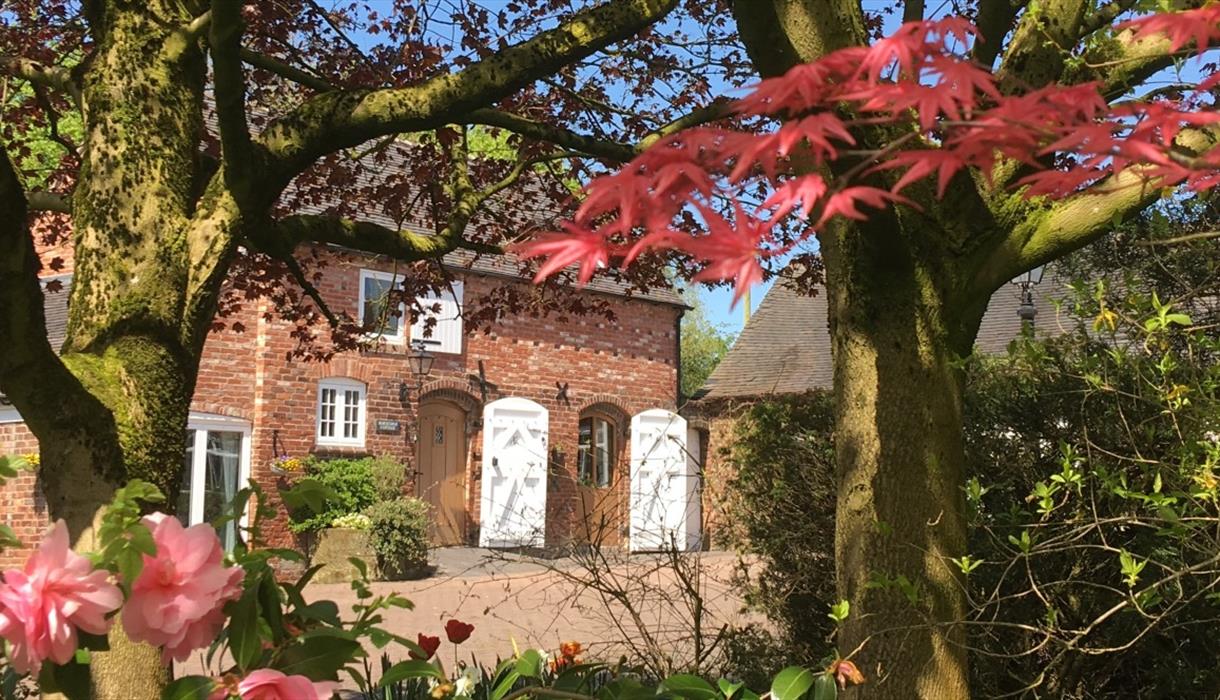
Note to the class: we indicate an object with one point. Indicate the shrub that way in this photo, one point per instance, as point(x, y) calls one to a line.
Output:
point(399, 530)
point(352, 483)
point(783, 509)
point(352, 521)
point(388, 477)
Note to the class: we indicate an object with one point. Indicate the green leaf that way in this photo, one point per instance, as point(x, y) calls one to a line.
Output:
point(269, 602)
point(824, 688)
point(685, 685)
point(70, 679)
point(575, 679)
point(530, 664)
point(625, 688)
point(728, 688)
point(308, 493)
point(189, 688)
point(244, 642)
point(321, 610)
point(411, 668)
point(504, 684)
point(791, 683)
point(318, 658)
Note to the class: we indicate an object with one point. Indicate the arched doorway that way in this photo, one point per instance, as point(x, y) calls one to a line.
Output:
point(442, 469)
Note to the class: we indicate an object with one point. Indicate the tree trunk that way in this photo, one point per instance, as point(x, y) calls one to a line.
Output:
point(900, 512)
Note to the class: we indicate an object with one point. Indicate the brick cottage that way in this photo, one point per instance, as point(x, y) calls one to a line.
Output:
point(532, 432)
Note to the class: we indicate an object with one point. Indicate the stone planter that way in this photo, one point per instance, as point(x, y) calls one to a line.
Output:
point(332, 549)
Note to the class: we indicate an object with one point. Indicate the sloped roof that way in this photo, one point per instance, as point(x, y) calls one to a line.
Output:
point(785, 347)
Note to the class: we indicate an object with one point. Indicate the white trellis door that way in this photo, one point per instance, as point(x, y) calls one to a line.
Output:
point(513, 499)
point(662, 484)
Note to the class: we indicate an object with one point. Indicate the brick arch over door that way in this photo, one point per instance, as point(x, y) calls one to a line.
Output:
point(452, 390)
point(606, 403)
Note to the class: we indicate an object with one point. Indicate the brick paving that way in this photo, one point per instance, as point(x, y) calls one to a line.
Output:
point(510, 598)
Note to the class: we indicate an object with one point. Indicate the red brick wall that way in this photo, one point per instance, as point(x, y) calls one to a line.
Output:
point(630, 363)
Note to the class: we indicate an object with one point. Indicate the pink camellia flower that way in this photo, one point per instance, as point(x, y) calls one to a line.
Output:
point(177, 600)
point(42, 605)
point(269, 684)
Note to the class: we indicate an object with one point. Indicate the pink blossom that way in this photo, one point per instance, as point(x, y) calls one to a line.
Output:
point(42, 605)
point(269, 684)
point(177, 601)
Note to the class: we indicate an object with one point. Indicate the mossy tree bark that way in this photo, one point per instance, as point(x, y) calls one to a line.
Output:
point(907, 290)
point(899, 459)
point(155, 228)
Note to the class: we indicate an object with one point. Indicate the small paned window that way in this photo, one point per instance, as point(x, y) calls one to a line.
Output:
point(340, 412)
point(596, 452)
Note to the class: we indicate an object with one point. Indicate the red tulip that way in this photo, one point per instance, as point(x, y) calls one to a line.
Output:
point(428, 644)
point(458, 631)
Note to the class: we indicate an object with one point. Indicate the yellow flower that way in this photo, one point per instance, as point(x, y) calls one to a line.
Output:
point(33, 459)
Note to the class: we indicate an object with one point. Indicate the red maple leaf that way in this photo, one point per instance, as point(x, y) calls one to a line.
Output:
point(1200, 27)
point(845, 202)
point(576, 245)
point(808, 190)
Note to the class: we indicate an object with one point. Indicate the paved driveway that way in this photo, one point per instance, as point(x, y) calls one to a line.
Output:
point(539, 603)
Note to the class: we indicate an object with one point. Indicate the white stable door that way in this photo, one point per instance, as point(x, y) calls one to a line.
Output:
point(513, 499)
point(663, 482)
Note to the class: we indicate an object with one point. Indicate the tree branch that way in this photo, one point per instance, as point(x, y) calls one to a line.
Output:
point(1041, 44)
point(342, 119)
point(229, 88)
point(29, 365)
point(311, 291)
point(49, 201)
point(994, 21)
point(610, 150)
point(912, 10)
point(615, 151)
point(284, 70)
point(401, 244)
point(1051, 230)
point(54, 77)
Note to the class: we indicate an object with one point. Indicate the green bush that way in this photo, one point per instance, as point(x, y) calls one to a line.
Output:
point(388, 477)
point(399, 530)
point(783, 509)
point(352, 482)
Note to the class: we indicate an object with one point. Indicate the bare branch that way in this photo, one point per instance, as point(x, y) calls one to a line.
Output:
point(912, 10)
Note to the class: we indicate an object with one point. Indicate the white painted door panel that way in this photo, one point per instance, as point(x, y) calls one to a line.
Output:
point(513, 499)
point(661, 483)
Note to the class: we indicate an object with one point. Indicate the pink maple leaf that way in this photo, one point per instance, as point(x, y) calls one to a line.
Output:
point(575, 245)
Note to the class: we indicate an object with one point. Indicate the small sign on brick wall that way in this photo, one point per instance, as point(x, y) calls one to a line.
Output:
point(388, 427)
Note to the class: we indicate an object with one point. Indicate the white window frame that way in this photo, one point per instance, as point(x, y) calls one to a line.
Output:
point(341, 386)
point(201, 424)
point(441, 341)
point(394, 280)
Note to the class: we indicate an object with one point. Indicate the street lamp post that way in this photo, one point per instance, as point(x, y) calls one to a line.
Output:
point(420, 361)
point(1028, 310)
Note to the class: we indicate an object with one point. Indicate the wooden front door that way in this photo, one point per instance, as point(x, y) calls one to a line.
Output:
point(599, 473)
point(442, 469)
